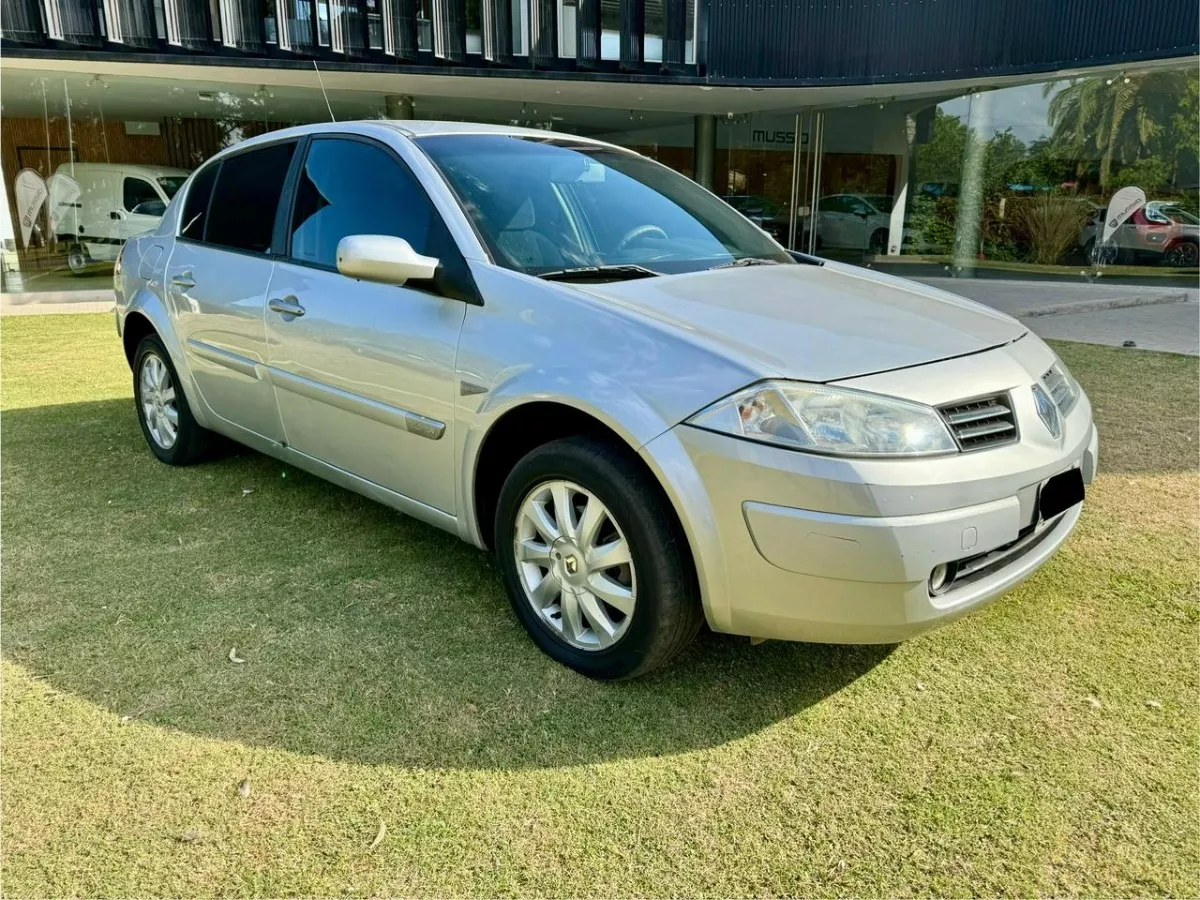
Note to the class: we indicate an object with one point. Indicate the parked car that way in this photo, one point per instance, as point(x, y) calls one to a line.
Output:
point(653, 415)
point(115, 202)
point(1159, 232)
point(854, 222)
point(767, 214)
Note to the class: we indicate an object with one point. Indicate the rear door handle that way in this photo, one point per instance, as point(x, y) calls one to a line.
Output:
point(286, 306)
point(184, 281)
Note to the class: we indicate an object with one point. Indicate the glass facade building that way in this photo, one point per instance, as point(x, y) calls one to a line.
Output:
point(987, 176)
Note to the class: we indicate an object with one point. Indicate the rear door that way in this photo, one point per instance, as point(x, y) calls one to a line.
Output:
point(217, 283)
point(364, 372)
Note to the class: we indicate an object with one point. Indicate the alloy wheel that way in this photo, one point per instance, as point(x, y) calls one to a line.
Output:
point(575, 565)
point(157, 395)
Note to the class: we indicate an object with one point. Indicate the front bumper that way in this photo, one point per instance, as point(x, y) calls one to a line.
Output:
point(800, 547)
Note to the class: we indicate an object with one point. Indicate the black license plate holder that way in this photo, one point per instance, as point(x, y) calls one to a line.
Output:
point(1060, 493)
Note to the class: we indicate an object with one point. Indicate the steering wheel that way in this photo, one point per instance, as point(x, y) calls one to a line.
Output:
point(640, 231)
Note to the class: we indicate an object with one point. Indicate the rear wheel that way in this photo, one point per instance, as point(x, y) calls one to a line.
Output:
point(878, 243)
point(1183, 255)
point(167, 422)
point(593, 560)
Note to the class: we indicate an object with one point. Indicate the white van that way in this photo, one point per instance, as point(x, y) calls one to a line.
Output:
point(114, 203)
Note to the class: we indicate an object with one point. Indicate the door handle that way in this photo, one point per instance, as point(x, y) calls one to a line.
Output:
point(286, 306)
point(184, 281)
point(116, 215)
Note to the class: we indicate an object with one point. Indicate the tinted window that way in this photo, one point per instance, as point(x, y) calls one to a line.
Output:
point(351, 187)
point(195, 209)
point(554, 203)
point(242, 212)
point(138, 190)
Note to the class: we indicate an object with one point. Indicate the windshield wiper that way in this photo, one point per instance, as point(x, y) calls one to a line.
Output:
point(611, 273)
point(745, 261)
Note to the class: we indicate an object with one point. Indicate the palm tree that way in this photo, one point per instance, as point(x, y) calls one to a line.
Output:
point(1115, 119)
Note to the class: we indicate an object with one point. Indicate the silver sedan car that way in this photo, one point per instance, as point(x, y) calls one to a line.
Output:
point(652, 414)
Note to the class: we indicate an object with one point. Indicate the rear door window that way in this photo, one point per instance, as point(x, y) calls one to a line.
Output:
point(195, 207)
point(246, 198)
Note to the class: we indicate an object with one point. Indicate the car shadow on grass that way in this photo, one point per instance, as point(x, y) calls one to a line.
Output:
point(247, 601)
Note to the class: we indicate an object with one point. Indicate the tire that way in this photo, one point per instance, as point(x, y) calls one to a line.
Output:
point(877, 246)
point(664, 613)
point(78, 260)
point(191, 443)
point(1183, 255)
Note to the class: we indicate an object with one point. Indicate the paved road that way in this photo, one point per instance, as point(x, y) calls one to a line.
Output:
point(1174, 327)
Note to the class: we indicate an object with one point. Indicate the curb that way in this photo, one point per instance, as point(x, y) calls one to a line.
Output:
point(1083, 306)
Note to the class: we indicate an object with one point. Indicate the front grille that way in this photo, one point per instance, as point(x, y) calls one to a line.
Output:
point(1059, 387)
point(983, 422)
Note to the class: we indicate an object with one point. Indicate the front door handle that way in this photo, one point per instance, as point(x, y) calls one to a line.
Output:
point(116, 215)
point(184, 281)
point(286, 306)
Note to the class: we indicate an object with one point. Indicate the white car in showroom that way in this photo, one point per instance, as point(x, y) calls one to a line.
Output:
point(650, 412)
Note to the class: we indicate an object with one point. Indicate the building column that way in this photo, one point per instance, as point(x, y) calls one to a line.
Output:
point(704, 150)
point(398, 106)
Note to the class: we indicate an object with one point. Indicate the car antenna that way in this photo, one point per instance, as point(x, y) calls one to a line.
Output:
point(321, 82)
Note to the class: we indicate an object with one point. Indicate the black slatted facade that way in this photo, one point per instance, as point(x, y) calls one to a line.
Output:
point(587, 33)
point(297, 24)
point(496, 25)
point(399, 19)
point(74, 22)
point(857, 41)
point(131, 22)
point(543, 32)
point(242, 25)
point(21, 21)
point(189, 24)
point(674, 48)
point(450, 30)
point(737, 42)
point(633, 33)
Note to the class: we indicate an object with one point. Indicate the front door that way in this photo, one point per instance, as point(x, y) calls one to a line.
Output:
point(217, 281)
point(364, 372)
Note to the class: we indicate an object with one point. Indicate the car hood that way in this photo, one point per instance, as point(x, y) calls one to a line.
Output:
point(814, 323)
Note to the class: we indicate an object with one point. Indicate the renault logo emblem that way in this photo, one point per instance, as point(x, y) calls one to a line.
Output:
point(572, 565)
point(1047, 411)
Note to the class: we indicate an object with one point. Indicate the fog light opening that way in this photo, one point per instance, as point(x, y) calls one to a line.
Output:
point(940, 577)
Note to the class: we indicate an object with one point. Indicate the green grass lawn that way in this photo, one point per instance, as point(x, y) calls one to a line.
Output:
point(1047, 745)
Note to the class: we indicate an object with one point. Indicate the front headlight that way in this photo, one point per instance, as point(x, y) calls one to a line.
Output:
point(1062, 386)
point(822, 419)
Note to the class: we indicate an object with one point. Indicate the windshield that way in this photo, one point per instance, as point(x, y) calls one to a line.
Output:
point(544, 205)
point(171, 184)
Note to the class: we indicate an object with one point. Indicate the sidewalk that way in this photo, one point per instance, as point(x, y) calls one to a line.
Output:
point(50, 302)
point(1028, 299)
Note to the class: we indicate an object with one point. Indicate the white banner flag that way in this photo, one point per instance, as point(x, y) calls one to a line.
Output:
point(1124, 203)
point(64, 191)
point(31, 193)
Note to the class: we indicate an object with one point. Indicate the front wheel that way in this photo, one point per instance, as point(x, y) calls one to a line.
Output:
point(594, 562)
point(78, 260)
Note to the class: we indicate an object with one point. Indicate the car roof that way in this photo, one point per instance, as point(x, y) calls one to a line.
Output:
point(149, 171)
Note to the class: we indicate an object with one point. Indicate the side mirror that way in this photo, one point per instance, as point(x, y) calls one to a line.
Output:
point(382, 258)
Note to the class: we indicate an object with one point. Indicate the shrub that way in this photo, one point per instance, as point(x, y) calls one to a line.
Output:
point(1051, 224)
